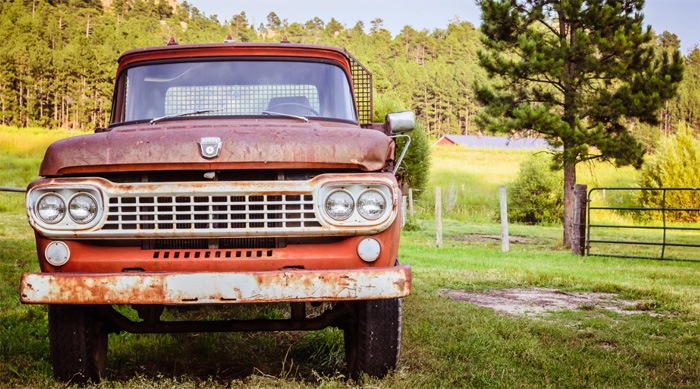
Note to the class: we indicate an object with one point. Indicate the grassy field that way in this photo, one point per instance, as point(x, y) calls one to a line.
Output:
point(446, 343)
point(21, 151)
point(469, 180)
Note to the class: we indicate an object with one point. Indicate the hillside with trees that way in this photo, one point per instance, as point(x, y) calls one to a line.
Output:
point(58, 61)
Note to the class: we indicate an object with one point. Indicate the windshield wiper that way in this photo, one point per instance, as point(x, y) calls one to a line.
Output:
point(286, 115)
point(188, 113)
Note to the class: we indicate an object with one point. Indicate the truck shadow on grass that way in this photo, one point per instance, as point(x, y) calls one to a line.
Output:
point(225, 357)
point(217, 358)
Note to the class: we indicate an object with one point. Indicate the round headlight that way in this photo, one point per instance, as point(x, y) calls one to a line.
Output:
point(82, 208)
point(339, 205)
point(51, 208)
point(371, 205)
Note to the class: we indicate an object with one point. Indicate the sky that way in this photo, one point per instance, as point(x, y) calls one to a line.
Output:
point(680, 17)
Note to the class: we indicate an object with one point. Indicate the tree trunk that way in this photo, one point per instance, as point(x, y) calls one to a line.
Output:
point(55, 108)
point(466, 120)
point(40, 99)
point(21, 102)
point(569, 183)
point(566, 31)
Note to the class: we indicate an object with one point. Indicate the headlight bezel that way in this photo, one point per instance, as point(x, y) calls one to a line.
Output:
point(355, 190)
point(67, 194)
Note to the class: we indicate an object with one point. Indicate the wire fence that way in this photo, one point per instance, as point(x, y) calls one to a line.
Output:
point(479, 206)
point(647, 223)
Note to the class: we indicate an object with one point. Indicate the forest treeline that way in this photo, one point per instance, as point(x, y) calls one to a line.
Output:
point(58, 61)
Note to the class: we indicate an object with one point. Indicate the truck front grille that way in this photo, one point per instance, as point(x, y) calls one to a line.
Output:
point(207, 210)
point(210, 212)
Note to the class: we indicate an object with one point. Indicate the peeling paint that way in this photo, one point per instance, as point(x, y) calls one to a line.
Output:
point(208, 288)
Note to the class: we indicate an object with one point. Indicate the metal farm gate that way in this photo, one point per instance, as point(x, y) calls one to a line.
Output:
point(665, 227)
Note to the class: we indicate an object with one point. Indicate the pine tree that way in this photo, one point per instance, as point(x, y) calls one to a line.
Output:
point(273, 22)
point(686, 106)
point(576, 72)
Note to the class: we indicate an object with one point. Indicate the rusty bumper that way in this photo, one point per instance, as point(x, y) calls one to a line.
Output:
point(216, 288)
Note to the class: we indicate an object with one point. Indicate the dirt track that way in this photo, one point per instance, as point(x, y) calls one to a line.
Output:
point(538, 301)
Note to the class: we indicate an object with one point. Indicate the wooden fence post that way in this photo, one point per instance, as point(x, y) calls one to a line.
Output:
point(403, 211)
point(438, 215)
point(578, 243)
point(410, 202)
point(505, 238)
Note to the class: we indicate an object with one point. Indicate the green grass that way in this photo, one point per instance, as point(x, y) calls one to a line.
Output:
point(446, 343)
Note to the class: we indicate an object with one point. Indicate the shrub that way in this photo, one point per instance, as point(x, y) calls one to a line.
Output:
point(416, 165)
point(537, 195)
point(675, 165)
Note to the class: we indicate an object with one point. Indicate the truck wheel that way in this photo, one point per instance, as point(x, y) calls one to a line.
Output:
point(78, 344)
point(373, 338)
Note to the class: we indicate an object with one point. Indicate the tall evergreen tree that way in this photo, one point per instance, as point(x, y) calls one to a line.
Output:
point(241, 30)
point(686, 106)
point(273, 22)
point(574, 71)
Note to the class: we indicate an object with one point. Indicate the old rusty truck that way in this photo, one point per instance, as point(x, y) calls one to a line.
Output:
point(230, 174)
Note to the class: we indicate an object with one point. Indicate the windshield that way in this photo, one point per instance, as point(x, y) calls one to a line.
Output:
point(236, 88)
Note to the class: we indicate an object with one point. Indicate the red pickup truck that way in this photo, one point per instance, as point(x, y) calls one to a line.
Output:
point(230, 174)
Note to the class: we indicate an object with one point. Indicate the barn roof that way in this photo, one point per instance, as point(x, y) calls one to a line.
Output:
point(494, 142)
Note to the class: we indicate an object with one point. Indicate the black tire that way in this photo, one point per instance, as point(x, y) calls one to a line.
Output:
point(373, 338)
point(78, 344)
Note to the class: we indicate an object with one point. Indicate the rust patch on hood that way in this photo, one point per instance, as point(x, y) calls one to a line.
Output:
point(246, 144)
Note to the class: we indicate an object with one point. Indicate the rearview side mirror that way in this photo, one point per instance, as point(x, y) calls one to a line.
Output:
point(400, 122)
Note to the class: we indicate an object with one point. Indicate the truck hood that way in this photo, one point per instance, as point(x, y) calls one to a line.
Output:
point(250, 144)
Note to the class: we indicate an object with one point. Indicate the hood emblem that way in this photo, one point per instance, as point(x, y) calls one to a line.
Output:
point(210, 146)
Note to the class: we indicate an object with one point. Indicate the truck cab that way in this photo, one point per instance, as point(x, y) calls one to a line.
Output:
point(230, 174)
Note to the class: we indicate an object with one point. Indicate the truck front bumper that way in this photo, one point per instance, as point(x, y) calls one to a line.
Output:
point(216, 288)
